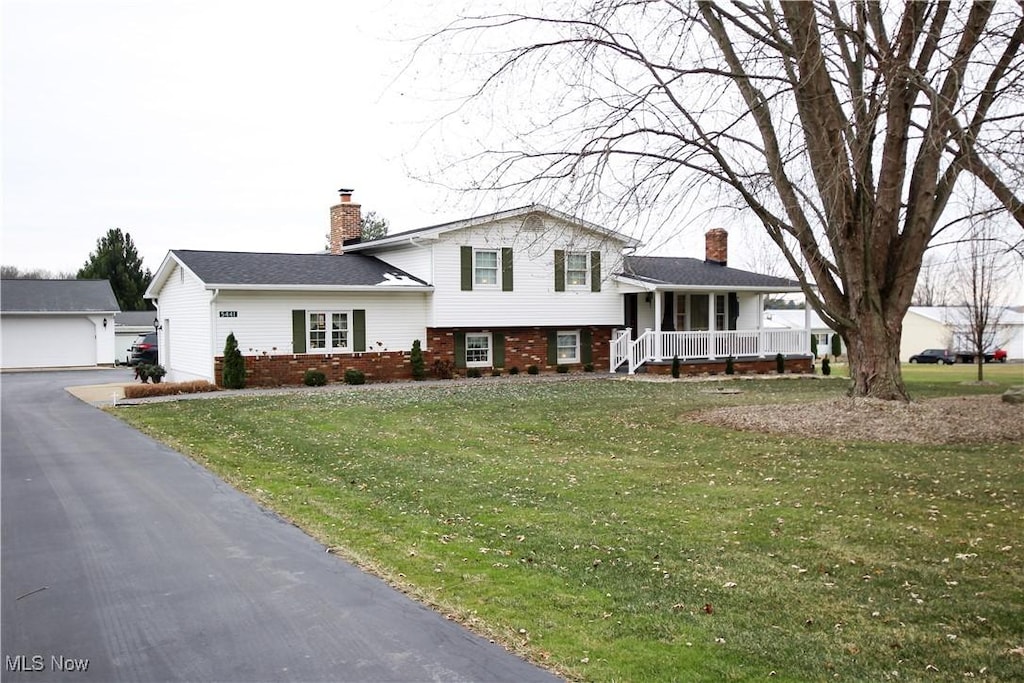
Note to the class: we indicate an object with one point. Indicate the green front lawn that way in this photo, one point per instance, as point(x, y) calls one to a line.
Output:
point(593, 527)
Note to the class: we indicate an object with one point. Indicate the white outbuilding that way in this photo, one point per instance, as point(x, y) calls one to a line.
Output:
point(56, 323)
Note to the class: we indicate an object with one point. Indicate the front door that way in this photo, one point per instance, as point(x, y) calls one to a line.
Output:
point(629, 302)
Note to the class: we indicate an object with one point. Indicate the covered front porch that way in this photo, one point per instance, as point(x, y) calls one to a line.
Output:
point(703, 329)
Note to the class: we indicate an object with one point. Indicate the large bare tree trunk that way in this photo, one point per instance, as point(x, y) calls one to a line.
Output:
point(873, 351)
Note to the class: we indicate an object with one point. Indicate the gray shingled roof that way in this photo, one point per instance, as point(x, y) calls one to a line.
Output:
point(679, 271)
point(57, 296)
point(251, 268)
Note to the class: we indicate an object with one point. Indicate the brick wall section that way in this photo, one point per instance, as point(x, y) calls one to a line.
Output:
point(523, 347)
point(796, 364)
point(273, 371)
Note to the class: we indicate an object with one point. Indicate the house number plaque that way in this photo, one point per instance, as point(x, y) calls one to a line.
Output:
point(228, 314)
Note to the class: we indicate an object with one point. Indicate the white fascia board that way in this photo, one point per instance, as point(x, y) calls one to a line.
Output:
point(52, 313)
point(320, 288)
point(435, 231)
point(164, 272)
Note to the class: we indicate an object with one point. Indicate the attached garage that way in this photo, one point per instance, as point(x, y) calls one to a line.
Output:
point(56, 323)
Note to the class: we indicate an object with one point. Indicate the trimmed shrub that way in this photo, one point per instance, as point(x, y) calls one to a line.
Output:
point(147, 371)
point(780, 364)
point(314, 378)
point(826, 369)
point(473, 372)
point(514, 370)
point(588, 367)
point(837, 345)
point(561, 369)
point(443, 369)
point(730, 366)
point(169, 389)
point(675, 367)
point(355, 376)
point(416, 362)
point(532, 370)
point(233, 375)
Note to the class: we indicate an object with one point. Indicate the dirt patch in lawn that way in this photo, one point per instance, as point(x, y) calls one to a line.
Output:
point(955, 420)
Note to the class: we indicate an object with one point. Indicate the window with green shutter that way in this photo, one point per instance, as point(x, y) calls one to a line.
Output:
point(328, 331)
point(559, 270)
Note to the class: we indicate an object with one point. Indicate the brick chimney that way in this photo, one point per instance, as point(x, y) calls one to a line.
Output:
point(345, 222)
point(716, 246)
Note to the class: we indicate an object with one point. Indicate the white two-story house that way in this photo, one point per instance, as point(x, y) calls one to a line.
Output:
point(527, 286)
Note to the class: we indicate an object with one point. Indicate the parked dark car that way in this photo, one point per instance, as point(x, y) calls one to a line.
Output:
point(999, 355)
point(144, 349)
point(933, 356)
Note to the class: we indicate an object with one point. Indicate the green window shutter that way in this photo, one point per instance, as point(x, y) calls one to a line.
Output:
point(586, 345)
point(734, 310)
point(559, 270)
point(298, 331)
point(595, 271)
point(498, 355)
point(460, 349)
point(359, 329)
point(506, 269)
point(552, 347)
point(467, 269)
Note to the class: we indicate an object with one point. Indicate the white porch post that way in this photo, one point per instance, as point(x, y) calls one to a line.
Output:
point(657, 324)
point(760, 326)
point(712, 314)
point(807, 326)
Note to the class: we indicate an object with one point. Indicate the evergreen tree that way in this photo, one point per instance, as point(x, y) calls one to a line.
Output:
point(419, 369)
point(117, 261)
point(373, 227)
point(234, 365)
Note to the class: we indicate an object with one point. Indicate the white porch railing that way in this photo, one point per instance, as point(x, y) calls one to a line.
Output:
point(654, 346)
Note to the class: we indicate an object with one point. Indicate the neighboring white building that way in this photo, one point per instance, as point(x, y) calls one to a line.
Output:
point(795, 319)
point(56, 323)
point(941, 327)
point(527, 286)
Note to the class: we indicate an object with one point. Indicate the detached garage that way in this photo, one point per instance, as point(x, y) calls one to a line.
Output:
point(56, 323)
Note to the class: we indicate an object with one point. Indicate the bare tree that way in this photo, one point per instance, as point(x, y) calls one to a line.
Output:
point(16, 273)
point(932, 283)
point(844, 128)
point(979, 289)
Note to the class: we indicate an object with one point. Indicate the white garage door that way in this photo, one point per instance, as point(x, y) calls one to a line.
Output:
point(47, 341)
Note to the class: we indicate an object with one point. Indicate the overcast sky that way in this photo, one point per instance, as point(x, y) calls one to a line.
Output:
point(207, 124)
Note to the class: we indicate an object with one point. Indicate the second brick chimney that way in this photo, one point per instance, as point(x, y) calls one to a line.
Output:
point(716, 246)
point(346, 222)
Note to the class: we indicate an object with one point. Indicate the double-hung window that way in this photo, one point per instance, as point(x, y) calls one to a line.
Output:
point(577, 269)
point(721, 309)
point(485, 268)
point(568, 346)
point(478, 350)
point(328, 331)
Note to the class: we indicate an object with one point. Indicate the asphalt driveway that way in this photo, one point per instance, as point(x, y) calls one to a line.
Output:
point(120, 551)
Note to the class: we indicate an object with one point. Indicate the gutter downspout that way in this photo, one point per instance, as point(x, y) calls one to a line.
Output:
point(213, 337)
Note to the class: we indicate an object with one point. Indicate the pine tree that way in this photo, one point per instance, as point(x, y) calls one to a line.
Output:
point(234, 365)
point(117, 261)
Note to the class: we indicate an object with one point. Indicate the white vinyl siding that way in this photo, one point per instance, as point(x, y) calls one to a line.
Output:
point(188, 344)
point(39, 341)
point(263, 320)
point(533, 300)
